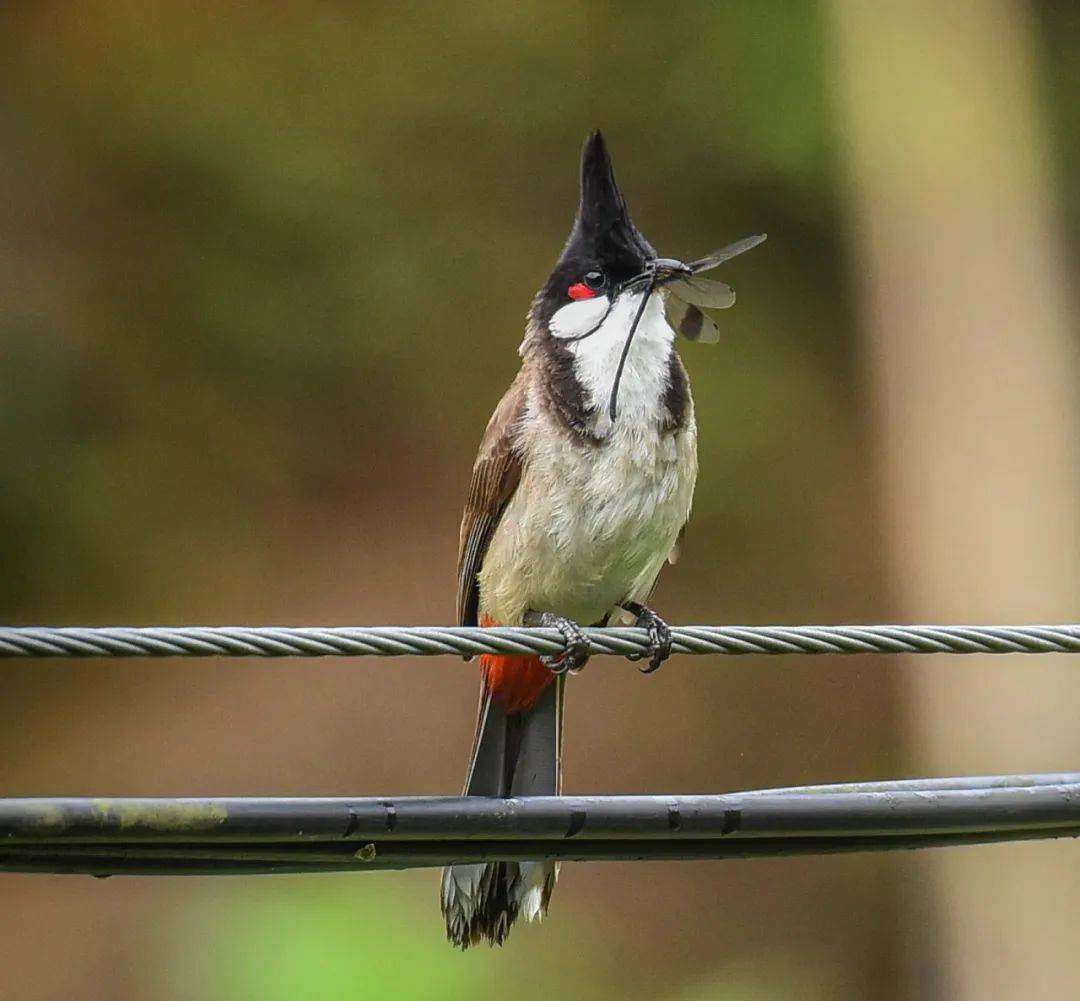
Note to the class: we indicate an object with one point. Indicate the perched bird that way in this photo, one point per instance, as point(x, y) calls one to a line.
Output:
point(579, 494)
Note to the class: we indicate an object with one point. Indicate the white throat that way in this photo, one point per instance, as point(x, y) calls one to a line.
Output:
point(596, 356)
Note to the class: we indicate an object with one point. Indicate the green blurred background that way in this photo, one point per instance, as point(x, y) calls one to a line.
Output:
point(264, 270)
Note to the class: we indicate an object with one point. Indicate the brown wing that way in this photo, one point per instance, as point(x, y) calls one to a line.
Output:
point(495, 477)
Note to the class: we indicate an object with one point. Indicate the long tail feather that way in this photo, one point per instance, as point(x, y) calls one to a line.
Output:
point(514, 754)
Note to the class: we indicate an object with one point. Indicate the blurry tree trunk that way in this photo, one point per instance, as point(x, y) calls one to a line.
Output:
point(972, 372)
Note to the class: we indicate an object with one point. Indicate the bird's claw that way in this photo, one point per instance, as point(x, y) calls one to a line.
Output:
point(659, 648)
point(574, 657)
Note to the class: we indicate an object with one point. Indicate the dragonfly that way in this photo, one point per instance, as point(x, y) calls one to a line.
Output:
point(688, 294)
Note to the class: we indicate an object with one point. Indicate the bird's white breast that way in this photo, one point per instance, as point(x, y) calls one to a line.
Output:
point(591, 523)
point(596, 355)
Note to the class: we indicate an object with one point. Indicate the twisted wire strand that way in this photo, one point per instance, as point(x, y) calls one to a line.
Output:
point(430, 641)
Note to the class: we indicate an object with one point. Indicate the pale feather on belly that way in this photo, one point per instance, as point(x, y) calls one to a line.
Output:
point(592, 522)
point(589, 526)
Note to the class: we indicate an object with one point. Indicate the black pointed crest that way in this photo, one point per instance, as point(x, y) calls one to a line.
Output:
point(603, 226)
point(602, 204)
point(603, 238)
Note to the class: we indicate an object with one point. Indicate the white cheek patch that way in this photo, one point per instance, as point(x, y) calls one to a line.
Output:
point(577, 318)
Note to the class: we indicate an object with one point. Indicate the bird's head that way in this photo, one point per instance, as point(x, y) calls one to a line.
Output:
point(608, 274)
point(605, 255)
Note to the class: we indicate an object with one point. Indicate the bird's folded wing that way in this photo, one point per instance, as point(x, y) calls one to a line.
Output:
point(495, 477)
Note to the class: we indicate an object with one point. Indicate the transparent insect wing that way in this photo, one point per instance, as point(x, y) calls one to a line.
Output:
point(703, 292)
point(691, 322)
point(718, 257)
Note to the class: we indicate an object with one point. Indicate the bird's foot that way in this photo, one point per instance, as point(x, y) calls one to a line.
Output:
point(659, 648)
point(576, 654)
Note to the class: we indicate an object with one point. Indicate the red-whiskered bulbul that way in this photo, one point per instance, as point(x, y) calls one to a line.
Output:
point(579, 494)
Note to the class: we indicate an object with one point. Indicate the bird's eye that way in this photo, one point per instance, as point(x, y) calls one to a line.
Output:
point(590, 288)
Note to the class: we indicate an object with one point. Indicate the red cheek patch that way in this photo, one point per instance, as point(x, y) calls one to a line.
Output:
point(580, 291)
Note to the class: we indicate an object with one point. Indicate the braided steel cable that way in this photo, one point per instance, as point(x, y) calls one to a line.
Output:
point(429, 641)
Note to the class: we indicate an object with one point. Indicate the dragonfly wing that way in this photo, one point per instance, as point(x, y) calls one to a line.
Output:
point(691, 322)
point(703, 292)
point(718, 257)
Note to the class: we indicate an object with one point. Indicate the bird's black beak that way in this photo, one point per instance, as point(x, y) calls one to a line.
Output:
point(665, 269)
point(658, 271)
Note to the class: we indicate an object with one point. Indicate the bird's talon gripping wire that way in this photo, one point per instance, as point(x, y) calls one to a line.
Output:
point(576, 654)
point(659, 648)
